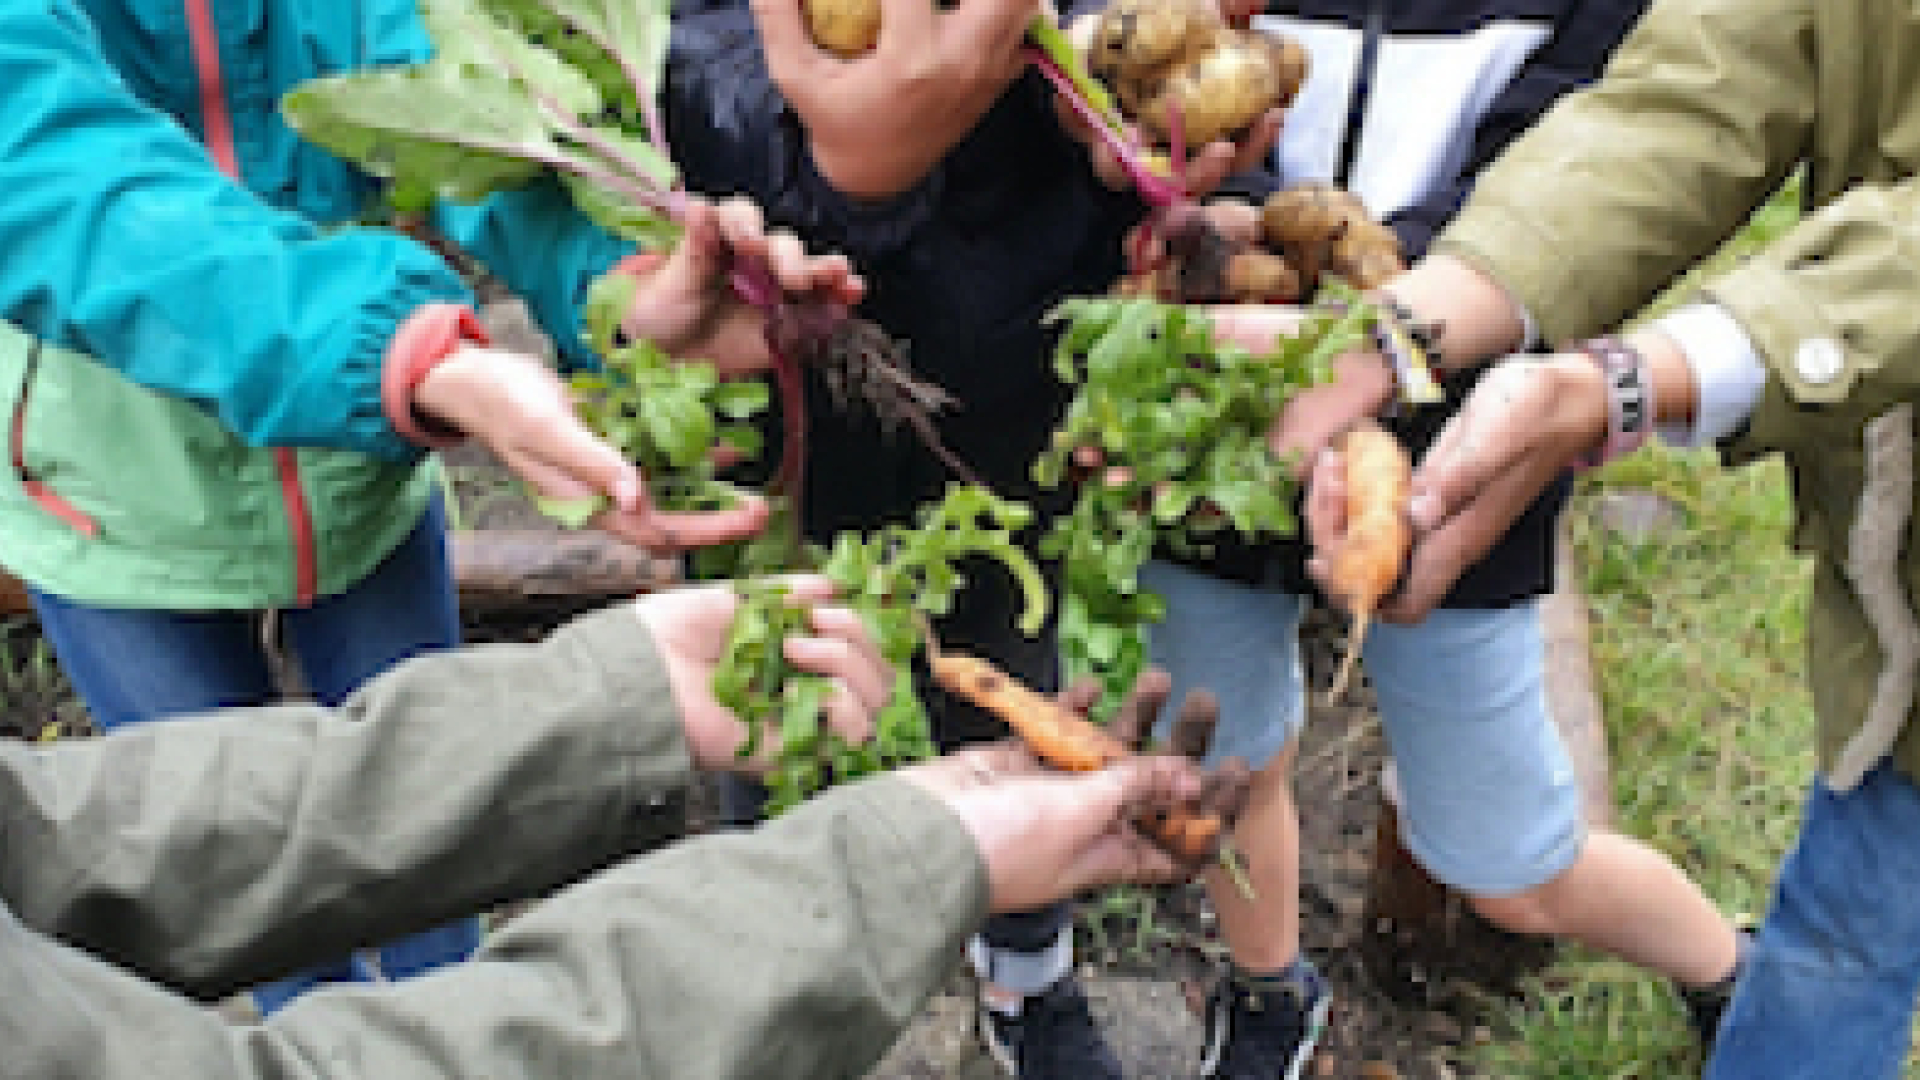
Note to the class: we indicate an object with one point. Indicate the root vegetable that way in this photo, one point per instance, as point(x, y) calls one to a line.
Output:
point(843, 27)
point(1373, 553)
point(1174, 62)
point(1222, 92)
point(1135, 44)
point(1325, 229)
point(1066, 740)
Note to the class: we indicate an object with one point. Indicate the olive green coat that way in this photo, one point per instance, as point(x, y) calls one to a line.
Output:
point(186, 860)
point(1706, 110)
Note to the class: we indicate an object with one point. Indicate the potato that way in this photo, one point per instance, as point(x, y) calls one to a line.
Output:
point(1324, 229)
point(1134, 44)
point(1308, 214)
point(843, 27)
point(1366, 255)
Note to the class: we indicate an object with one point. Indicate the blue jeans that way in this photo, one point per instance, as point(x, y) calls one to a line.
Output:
point(134, 666)
point(1830, 987)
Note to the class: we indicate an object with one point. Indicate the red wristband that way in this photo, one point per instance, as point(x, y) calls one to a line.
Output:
point(428, 337)
point(1629, 397)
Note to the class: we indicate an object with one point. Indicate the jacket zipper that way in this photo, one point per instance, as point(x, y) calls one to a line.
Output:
point(1371, 31)
point(217, 125)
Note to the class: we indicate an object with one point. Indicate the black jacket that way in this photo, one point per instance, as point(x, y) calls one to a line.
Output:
point(963, 269)
point(1405, 102)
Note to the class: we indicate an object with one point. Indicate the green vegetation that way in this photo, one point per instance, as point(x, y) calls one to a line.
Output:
point(1698, 636)
point(1698, 643)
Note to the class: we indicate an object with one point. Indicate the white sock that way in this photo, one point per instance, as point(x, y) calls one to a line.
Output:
point(1007, 977)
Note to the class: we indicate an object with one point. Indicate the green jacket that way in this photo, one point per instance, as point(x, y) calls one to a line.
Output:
point(191, 322)
point(150, 868)
point(1707, 108)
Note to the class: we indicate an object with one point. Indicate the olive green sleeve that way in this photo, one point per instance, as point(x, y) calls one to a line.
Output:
point(797, 951)
point(216, 852)
point(1831, 308)
point(1703, 112)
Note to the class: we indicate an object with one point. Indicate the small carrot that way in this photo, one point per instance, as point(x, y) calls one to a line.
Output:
point(1373, 554)
point(1054, 733)
point(1066, 740)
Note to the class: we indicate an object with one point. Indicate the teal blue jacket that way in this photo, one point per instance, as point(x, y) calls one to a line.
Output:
point(166, 323)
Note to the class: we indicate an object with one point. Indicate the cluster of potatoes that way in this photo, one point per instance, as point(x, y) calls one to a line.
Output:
point(1177, 66)
point(1308, 234)
point(1171, 62)
point(1161, 58)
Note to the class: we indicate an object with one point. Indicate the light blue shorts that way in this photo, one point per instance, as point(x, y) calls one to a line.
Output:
point(1489, 801)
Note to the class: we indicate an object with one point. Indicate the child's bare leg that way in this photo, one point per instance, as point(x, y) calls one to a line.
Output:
point(1626, 899)
point(1263, 931)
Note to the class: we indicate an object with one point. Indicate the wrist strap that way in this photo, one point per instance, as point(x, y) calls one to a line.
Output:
point(1629, 397)
point(1410, 346)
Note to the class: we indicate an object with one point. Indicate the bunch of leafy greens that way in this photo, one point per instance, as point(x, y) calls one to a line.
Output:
point(1179, 421)
point(895, 578)
point(518, 91)
point(521, 91)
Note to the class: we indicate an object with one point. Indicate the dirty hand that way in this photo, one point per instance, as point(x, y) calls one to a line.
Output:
point(1525, 422)
point(1046, 835)
point(689, 627)
point(522, 411)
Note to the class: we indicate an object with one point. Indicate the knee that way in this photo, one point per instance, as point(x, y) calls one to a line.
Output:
point(1532, 912)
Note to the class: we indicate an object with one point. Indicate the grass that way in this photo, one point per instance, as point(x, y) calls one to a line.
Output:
point(1698, 640)
point(1698, 637)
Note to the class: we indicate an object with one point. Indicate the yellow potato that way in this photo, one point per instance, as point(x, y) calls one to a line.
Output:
point(1218, 95)
point(843, 27)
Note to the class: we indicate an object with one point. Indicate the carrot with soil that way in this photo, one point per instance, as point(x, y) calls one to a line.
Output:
point(1067, 740)
point(1372, 555)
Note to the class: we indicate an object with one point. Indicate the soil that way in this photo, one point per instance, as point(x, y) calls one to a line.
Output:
point(1406, 1005)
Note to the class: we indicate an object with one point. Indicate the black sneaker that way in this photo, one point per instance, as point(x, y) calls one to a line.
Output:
point(1264, 1035)
point(1054, 1036)
point(1705, 1005)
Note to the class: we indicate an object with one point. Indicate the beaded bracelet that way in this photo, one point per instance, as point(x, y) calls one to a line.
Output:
point(1629, 397)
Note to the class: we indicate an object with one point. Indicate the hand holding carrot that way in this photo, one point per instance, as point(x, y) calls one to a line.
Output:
point(1524, 423)
point(1188, 827)
point(1046, 834)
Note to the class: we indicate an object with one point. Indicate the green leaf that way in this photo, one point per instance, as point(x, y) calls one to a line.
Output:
point(572, 513)
point(608, 37)
point(457, 132)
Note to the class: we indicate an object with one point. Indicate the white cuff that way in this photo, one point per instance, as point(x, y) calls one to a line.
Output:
point(1728, 373)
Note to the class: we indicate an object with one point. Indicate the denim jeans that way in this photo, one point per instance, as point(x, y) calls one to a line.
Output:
point(1829, 990)
point(134, 666)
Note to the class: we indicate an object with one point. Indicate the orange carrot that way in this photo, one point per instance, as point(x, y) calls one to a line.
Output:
point(1373, 554)
point(1066, 740)
point(1055, 733)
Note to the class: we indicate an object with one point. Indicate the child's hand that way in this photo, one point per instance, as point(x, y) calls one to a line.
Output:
point(686, 303)
point(877, 123)
point(690, 627)
point(1361, 387)
point(519, 408)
